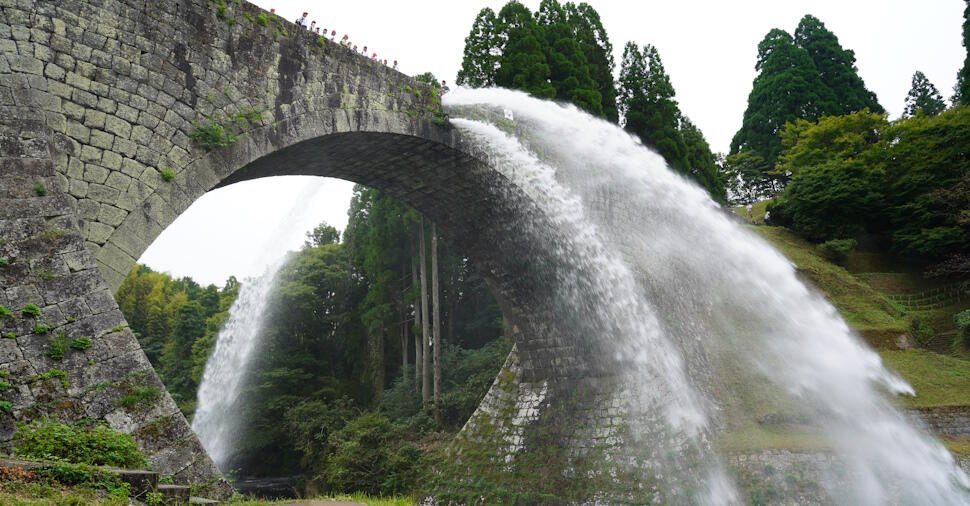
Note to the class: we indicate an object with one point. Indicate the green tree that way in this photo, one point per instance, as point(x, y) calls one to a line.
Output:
point(787, 88)
point(836, 69)
point(569, 71)
point(176, 356)
point(523, 65)
point(701, 161)
point(923, 97)
point(482, 52)
point(595, 43)
point(962, 88)
point(646, 100)
point(748, 177)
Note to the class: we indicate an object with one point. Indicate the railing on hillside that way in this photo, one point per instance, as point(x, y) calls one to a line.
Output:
point(934, 298)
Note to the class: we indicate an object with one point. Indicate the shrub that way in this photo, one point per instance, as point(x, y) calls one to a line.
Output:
point(5, 313)
point(212, 135)
point(78, 443)
point(10, 335)
point(321, 41)
point(30, 310)
point(261, 19)
point(81, 343)
point(4, 262)
point(167, 174)
point(41, 329)
point(837, 250)
point(57, 347)
point(141, 395)
point(921, 332)
point(39, 189)
point(54, 373)
point(365, 458)
point(962, 322)
point(6, 407)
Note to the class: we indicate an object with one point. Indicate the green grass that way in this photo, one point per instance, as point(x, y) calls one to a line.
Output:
point(865, 309)
point(939, 380)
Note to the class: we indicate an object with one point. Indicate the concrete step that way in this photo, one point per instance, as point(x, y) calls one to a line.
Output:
point(140, 481)
point(175, 494)
point(201, 500)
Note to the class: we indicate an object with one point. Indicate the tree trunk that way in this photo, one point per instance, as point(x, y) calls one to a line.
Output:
point(416, 310)
point(436, 317)
point(425, 331)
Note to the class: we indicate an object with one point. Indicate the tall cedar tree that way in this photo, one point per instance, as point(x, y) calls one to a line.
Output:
point(701, 162)
point(836, 68)
point(962, 88)
point(648, 106)
point(788, 87)
point(923, 97)
point(562, 53)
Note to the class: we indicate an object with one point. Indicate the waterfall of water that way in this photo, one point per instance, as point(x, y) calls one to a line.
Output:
point(217, 413)
point(688, 291)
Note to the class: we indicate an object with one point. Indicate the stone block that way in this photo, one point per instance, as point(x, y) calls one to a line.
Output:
point(96, 232)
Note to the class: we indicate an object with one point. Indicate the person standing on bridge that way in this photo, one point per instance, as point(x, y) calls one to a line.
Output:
point(333, 35)
point(301, 22)
point(313, 25)
point(395, 64)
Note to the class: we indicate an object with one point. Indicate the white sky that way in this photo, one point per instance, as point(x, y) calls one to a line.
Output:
point(708, 48)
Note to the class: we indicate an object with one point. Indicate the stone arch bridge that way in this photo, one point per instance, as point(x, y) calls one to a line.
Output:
point(99, 104)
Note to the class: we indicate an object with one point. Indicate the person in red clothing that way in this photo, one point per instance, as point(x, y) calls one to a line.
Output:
point(333, 34)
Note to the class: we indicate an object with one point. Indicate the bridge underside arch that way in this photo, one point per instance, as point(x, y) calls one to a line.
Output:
point(100, 98)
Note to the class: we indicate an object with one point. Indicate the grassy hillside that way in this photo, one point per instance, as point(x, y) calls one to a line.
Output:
point(861, 292)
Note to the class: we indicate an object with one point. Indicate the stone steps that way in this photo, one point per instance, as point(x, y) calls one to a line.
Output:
point(142, 482)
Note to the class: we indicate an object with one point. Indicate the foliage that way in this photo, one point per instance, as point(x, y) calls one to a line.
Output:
point(30, 310)
point(560, 52)
point(801, 77)
point(6, 407)
point(5, 313)
point(139, 396)
point(39, 189)
point(962, 89)
point(836, 68)
point(365, 460)
point(212, 135)
point(646, 100)
point(961, 321)
point(57, 347)
point(837, 250)
point(41, 329)
point(923, 97)
point(77, 443)
point(261, 19)
point(153, 302)
point(167, 174)
point(54, 373)
point(81, 343)
point(4, 262)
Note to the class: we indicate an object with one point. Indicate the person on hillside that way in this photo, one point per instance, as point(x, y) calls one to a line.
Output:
point(313, 25)
point(364, 51)
point(444, 87)
point(301, 22)
point(767, 217)
point(345, 41)
point(395, 64)
point(749, 209)
point(333, 35)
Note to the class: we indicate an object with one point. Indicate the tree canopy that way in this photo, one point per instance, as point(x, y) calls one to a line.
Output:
point(962, 88)
point(923, 97)
point(801, 77)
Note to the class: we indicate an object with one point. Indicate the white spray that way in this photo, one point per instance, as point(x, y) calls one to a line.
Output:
point(706, 283)
point(217, 413)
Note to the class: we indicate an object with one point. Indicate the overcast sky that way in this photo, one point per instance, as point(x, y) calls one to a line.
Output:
point(708, 48)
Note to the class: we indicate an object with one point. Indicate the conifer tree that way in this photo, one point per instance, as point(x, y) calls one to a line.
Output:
point(788, 87)
point(701, 162)
point(923, 97)
point(836, 68)
point(962, 88)
point(589, 32)
point(648, 106)
point(482, 52)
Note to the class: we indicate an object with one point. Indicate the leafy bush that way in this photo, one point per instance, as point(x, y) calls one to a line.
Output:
point(167, 174)
point(30, 310)
point(54, 373)
point(962, 322)
point(81, 343)
point(367, 458)
point(40, 328)
point(212, 135)
point(57, 347)
point(261, 19)
point(6, 407)
point(920, 331)
point(39, 189)
point(96, 445)
point(141, 395)
point(4, 262)
point(837, 250)
point(5, 313)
